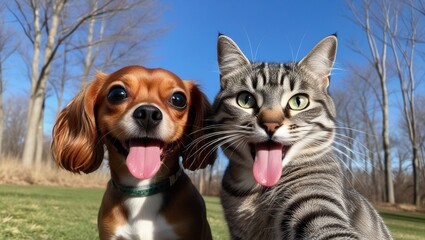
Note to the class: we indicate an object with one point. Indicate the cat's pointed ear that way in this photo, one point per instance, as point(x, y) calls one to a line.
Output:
point(231, 60)
point(321, 58)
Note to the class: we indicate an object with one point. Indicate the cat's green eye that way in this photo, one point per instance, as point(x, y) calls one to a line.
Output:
point(298, 102)
point(246, 100)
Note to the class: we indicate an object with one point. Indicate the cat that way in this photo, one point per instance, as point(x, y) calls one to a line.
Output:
point(275, 122)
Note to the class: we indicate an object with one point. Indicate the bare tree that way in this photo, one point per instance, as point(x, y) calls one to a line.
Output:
point(358, 142)
point(39, 78)
point(369, 101)
point(14, 130)
point(41, 19)
point(101, 48)
point(421, 126)
point(7, 48)
point(122, 42)
point(346, 131)
point(371, 140)
point(403, 42)
point(371, 17)
point(88, 61)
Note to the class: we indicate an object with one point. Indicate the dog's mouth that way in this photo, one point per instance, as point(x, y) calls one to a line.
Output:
point(143, 156)
point(268, 156)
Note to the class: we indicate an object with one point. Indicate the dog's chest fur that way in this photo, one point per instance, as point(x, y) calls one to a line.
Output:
point(144, 220)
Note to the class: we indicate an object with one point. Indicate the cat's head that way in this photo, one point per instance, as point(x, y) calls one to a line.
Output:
point(271, 114)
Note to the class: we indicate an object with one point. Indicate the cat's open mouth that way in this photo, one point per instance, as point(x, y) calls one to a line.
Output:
point(267, 167)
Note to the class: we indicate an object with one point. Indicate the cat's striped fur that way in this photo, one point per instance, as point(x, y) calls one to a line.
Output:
point(309, 199)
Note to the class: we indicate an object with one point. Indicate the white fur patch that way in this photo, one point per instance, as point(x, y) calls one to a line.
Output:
point(144, 221)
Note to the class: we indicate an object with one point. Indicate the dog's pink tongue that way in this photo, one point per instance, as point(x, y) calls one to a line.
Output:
point(268, 163)
point(144, 159)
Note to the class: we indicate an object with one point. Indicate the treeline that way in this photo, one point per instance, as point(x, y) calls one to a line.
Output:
point(381, 117)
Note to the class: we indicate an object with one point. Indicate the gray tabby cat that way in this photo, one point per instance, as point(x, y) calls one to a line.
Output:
point(276, 124)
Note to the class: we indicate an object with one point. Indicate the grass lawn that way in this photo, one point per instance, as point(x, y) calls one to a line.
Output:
point(404, 225)
point(37, 212)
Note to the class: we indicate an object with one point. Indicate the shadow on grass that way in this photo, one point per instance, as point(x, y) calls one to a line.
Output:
point(404, 217)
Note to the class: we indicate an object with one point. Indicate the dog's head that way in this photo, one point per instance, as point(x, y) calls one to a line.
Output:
point(140, 114)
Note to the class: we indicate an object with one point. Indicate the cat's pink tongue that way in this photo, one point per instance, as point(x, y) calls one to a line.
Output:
point(144, 159)
point(268, 163)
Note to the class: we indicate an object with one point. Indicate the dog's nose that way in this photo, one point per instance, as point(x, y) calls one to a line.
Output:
point(147, 116)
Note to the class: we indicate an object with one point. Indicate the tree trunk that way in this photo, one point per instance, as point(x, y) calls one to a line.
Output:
point(380, 179)
point(40, 139)
point(202, 181)
point(407, 87)
point(29, 152)
point(415, 165)
point(37, 99)
point(88, 60)
point(389, 186)
point(413, 129)
point(369, 147)
point(380, 60)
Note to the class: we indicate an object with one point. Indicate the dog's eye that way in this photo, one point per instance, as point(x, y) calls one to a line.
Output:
point(117, 94)
point(178, 100)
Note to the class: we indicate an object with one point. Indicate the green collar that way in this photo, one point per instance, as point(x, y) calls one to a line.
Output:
point(150, 189)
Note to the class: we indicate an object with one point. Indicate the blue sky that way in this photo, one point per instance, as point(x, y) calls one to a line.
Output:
point(265, 30)
point(270, 30)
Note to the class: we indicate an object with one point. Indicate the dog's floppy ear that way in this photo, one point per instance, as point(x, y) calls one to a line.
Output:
point(76, 145)
point(198, 152)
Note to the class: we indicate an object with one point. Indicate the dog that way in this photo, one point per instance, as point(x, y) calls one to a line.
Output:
point(147, 119)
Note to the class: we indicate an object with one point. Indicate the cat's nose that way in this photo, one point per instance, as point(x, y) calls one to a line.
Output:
point(270, 119)
point(270, 127)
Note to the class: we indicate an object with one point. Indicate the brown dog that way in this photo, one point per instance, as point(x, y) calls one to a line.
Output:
point(145, 118)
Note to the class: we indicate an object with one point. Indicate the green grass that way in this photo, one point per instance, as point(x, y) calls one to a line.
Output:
point(215, 217)
point(37, 212)
point(405, 226)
